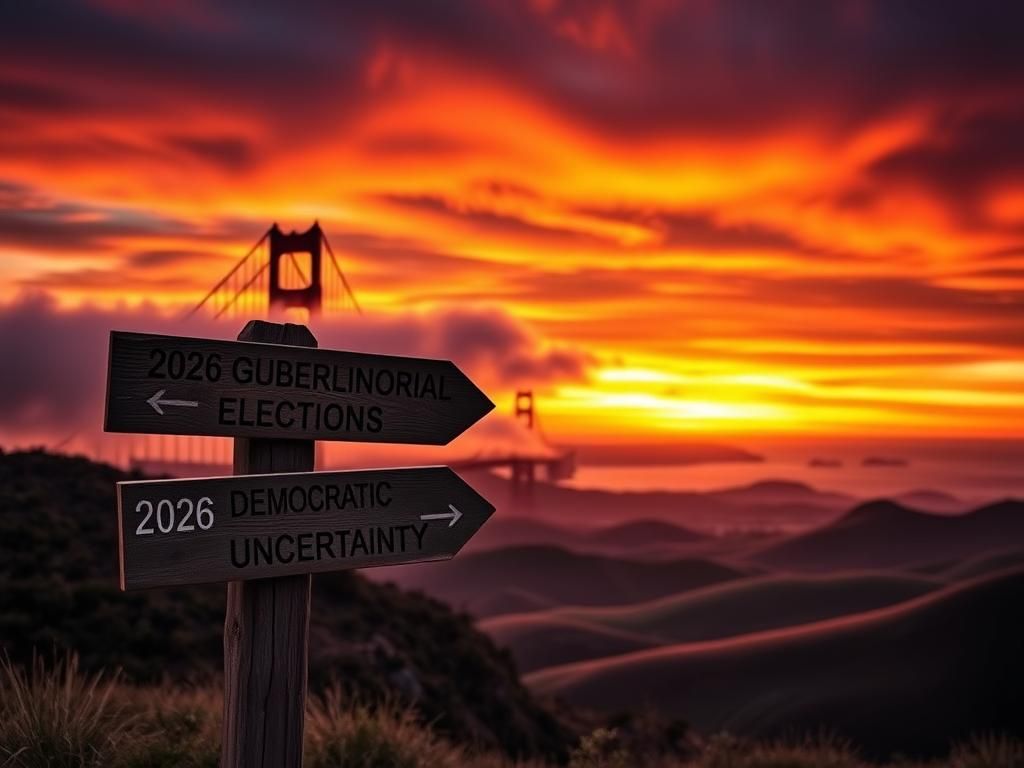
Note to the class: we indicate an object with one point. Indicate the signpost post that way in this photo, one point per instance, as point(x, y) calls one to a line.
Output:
point(268, 527)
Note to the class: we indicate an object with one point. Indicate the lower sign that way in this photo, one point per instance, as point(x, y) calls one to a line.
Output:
point(252, 526)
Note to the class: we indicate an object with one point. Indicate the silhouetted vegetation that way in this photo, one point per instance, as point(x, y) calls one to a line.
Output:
point(59, 717)
point(58, 590)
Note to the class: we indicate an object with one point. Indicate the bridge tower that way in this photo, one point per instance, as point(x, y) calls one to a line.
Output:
point(272, 276)
point(524, 406)
point(310, 296)
point(524, 477)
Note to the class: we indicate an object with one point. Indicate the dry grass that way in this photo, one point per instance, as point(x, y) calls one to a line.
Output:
point(988, 751)
point(56, 716)
point(344, 735)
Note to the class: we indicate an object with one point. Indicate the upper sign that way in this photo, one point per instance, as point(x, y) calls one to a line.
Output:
point(253, 526)
point(176, 385)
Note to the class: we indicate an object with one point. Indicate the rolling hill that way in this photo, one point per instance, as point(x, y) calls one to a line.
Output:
point(633, 538)
point(744, 507)
point(471, 581)
point(991, 562)
point(562, 635)
point(552, 638)
point(909, 678)
point(883, 534)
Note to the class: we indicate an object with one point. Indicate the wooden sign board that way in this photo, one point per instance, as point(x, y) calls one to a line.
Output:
point(176, 385)
point(174, 532)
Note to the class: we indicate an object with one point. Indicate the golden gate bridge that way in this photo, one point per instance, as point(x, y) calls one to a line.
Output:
point(282, 271)
point(298, 272)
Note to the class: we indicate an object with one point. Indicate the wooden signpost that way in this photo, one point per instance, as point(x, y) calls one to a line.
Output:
point(175, 385)
point(265, 529)
point(254, 526)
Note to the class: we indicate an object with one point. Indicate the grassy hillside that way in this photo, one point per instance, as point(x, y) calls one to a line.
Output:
point(58, 589)
point(906, 678)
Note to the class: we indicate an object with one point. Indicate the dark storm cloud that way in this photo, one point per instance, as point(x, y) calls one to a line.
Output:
point(249, 51)
point(381, 257)
point(31, 219)
point(910, 297)
point(489, 220)
point(966, 155)
point(724, 67)
point(231, 153)
point(700, 230)
point(104, 280)
point(846, 312)
point(999, 273)
point(163, 258)
point(594, 285)
point(16, 95)
point(627, 69)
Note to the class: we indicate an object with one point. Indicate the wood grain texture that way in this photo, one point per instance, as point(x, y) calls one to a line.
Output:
point(266, 626)
point(358, 397)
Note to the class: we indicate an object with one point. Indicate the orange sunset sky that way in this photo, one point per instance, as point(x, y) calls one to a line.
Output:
point(674, 219)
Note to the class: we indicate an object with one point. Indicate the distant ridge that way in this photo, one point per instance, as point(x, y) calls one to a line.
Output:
point(778, 491)
point(741, 508)
point(552, 638)
point(618, 539)
point(884, 534)
point(881, 512)
point(661, 454)
point(931, 500)
point(644, 533)
point(512, 600)
point(992, 562)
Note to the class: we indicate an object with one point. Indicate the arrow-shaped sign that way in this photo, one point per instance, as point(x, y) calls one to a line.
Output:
point(454, 516)
point(157, 401)
point(253, 526)
point(273, 390)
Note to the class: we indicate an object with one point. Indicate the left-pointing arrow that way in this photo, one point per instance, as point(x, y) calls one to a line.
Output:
point(158, 400)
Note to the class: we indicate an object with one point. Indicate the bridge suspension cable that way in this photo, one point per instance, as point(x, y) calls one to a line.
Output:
point(260, 281)
point(341, 275)
point(224, 280)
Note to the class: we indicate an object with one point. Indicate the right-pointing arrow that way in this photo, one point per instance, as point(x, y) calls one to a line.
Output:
point(453, 517)
point(442, 509)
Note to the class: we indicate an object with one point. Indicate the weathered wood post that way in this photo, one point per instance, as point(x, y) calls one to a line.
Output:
point(266, 625)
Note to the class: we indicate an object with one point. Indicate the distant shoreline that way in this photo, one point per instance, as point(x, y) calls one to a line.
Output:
point(661, 454)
